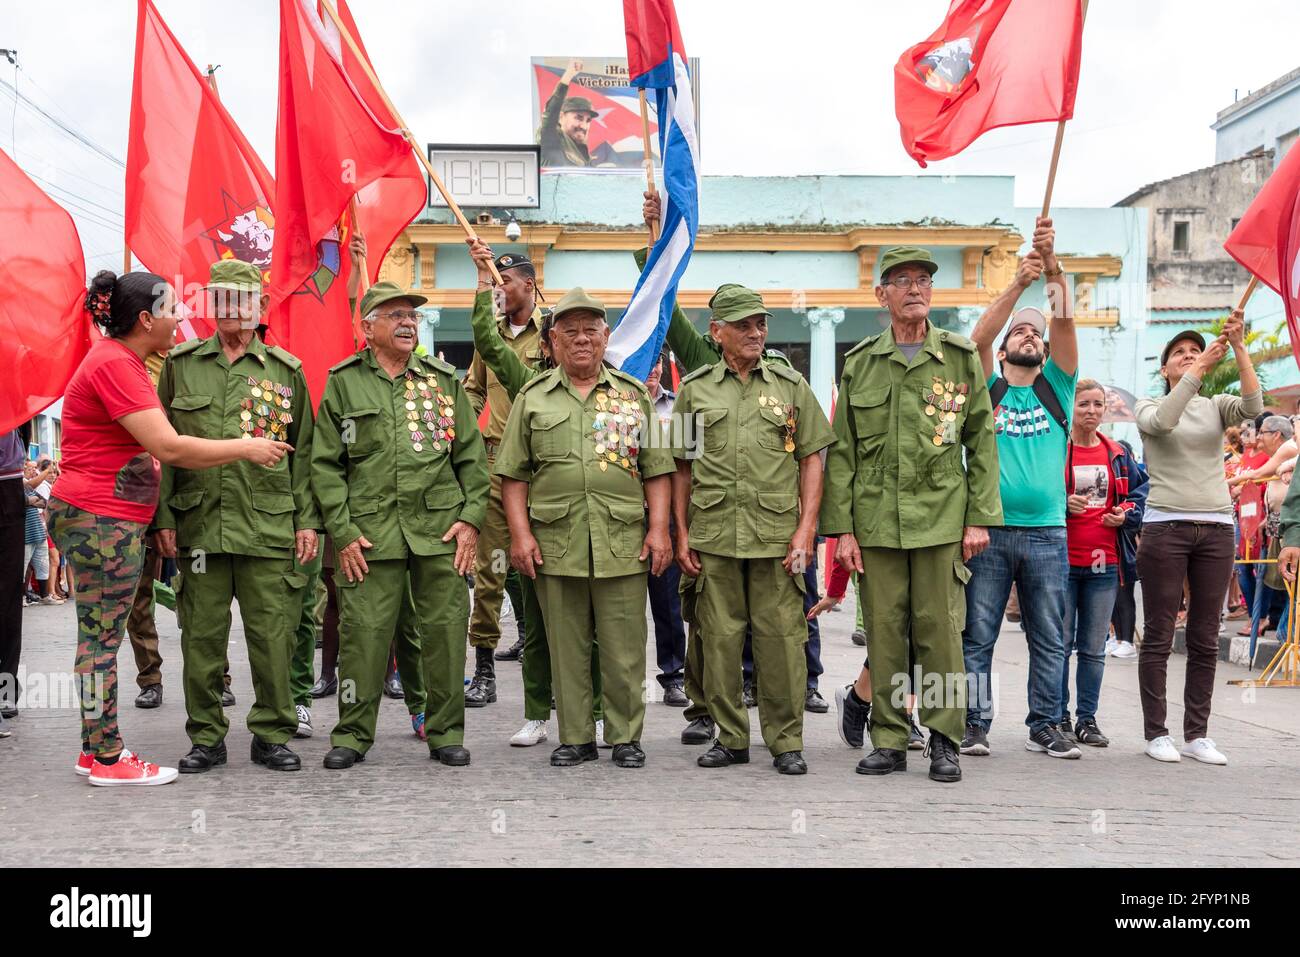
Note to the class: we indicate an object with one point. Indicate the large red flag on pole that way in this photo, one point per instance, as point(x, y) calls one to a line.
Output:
point(386, 206)
point(44, 327)
point(991, 63)
point(329, 146)
point(196, 191)
point(1267, 240)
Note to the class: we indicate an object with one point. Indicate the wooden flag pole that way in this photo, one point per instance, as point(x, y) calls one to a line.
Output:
point(363, 281)
point(649, 161)
point(1056, 150)
point(1250, 290)
point(406, 132)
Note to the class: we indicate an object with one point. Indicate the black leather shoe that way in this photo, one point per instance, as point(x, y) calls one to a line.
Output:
point(719, 756)
point(629, 755)
point(570, 755)
point(339, 758)
point(8, 711)
point(750, 695)
point(944, 763)
point(675, 697)
point(699, 731)
point(790, 762)
point(393, 686)
point(202, 758)
point(883, 761)
point(150, 697)
point(482, 690)
point(513, 653)
point(227, 698)
point(274, 756)
point(859, 637)
point(814, 702)
point(325, 687)
point(452, 755)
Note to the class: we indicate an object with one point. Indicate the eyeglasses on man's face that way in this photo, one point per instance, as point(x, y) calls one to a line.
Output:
point(905, 282)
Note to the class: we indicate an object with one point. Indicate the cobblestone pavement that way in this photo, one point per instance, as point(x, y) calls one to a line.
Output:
point(1114, 807)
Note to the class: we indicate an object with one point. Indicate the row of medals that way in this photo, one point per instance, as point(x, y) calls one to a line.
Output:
point(441, 422)
point(786, 410)
point(260, 414)
point(943, 400)
point(617, 428)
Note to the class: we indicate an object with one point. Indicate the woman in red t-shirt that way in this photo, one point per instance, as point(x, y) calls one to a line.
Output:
point(114, 430)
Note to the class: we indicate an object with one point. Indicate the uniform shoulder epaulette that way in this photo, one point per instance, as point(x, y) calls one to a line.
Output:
point(631, 379)
point(777, 358)
point(189, 345)
point(701, 371)
point(865, 343)
point(438, 364)
point(958, 340)
point(288, 358)
point(532, 383)
point(355, 357)
point(785, 371)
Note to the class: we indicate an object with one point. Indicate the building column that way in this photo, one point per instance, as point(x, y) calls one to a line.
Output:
point(430, 317)
point(821, 352)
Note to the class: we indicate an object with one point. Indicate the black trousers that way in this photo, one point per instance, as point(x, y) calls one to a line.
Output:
point(13, 513)
point(1124, 616)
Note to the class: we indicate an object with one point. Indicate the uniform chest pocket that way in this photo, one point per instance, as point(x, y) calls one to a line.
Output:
point(360, 432)
point(775, 427)
point(550, 525)
point(443, 503)
point(550, 438)
point(626, 528)
point(188, 412)
point(778, 515)
point(713, 422)
point(870, 411)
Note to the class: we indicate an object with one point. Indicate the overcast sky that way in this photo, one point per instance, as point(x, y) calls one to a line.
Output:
point(786, 89)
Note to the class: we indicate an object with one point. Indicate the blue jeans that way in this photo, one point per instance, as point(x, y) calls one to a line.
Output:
point(1089, 600)
point(1037, 561)
point(670, 631)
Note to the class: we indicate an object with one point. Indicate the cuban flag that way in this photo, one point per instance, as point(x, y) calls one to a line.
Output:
point(656, 60)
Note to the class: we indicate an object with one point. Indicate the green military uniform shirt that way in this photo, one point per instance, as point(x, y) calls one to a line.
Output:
point(744, 441)
point(481, 382)
point(585, 466)
point(240, 508)
point(1289, 518)
point(896, 477)
point(398, 460)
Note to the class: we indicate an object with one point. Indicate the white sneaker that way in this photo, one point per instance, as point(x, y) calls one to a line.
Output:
point(1111, 644)
point(304, 721)
point(533, 732)
point(1162, 749)
point(1203, 750)
point(600, 735)
point(1124, 649)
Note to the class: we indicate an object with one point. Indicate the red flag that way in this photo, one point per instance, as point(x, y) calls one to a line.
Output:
point(386, 206)
point(329, 146)
point(991, 63)
point(44, 327)
point(1267, 240)
point(195, 190)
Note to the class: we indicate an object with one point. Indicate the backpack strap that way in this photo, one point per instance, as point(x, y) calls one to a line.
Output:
point(997, 390)
point(1043, 389)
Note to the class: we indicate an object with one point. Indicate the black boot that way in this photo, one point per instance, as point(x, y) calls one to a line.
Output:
point(482, 690)
point(514, 653)
point(944, 764)
point(883, 761)
point(202, 758)
point(274, 756)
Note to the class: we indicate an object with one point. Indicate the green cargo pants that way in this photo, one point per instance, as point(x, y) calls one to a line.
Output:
point(269, 592)
point(368, 615)
point(693, 671)
point(491, 564)
point(924, 590)
point(406, 650)
point(310, 619)
point(536, 667)
point(755, 593)
point(575, 610)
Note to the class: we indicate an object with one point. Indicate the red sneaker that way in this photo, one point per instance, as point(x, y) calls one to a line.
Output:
point(130, 769)
point(84, 763)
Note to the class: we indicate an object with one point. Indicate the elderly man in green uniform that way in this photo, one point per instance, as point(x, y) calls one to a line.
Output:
point(236, 530)
point(399, 471)
point(746, 439)
point(576, 477)
point(566, 120)
point(519, 325)
point(910, 509)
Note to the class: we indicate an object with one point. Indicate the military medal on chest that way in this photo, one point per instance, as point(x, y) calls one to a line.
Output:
point(786, 411)
point(616, 431)
point(265, 412)
point(942, 403)
point(428, 410)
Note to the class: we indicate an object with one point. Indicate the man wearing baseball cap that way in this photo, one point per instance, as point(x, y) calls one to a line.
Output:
point(565, 123)
point(1033, 399)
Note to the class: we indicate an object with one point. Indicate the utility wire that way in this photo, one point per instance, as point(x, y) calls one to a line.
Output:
point(59, 124)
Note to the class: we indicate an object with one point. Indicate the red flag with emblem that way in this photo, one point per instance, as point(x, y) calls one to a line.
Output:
point(196, 191)
point(1267, 240)
point(991, 63)
point(329, 146)
point(44, 327)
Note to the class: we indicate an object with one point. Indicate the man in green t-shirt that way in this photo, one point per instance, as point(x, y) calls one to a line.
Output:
point(1032, 399)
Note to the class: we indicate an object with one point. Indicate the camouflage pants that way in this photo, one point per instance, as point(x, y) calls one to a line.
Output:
point(105, 556)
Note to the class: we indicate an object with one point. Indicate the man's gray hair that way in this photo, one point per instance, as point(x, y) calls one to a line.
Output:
point(1279, 424)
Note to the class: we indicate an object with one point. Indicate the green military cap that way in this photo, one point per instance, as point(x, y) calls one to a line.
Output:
point(904, 255)
point(733, 302)
point(577, 298)
point(235, 275)
point(382, 292)
point(578, 104)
